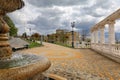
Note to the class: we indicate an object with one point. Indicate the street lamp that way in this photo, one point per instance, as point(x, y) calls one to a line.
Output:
point(41, 39)
point(30, 31)
point(72, 25)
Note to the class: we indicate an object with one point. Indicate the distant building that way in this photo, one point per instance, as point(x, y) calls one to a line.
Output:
point(61, 30)
point(63, 36)
point(76, 38)
point(45, 38)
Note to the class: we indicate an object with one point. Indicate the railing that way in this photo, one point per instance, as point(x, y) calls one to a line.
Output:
point(83, 46)
point(107, 48)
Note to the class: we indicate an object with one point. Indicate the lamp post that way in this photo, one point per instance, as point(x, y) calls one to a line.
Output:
point(41, 39)
point(72, 25)
point(30, 34)
point(30, 31)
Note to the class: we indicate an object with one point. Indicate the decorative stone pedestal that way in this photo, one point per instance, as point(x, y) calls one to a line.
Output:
point(19, 66)
point(5, 53)
point(5, 49)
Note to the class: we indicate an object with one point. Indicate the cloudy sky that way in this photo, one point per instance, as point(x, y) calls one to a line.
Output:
point(45, 16)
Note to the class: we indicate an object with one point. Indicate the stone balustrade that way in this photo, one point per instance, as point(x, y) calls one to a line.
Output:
point(111, 49)
point(106, 48)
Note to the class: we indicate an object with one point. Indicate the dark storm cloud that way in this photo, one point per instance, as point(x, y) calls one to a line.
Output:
point(84, 26)
point(51, 12)
point(92, 10)
point(105, 4)
point(48, 20)
point(44, 23)
point(48, 15)
point(50, 3)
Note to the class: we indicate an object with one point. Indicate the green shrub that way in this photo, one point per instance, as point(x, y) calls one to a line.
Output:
point(63, 44)
point(34, 44)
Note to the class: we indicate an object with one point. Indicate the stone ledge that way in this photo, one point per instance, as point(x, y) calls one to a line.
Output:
point(110, 56)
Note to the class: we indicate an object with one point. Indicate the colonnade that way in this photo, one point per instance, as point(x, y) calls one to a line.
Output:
point(111, 35)
point(111, 49)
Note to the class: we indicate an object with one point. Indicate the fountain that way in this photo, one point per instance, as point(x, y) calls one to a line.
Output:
point(16, 66)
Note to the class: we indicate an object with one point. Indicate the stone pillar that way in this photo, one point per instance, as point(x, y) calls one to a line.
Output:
point(96, 36)
point(111, 33)
point(102, 35)
point(92, 37)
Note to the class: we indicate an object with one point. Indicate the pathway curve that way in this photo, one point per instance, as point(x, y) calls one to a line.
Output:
point(78, 64)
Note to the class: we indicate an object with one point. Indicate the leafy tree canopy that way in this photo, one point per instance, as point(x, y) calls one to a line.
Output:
point(13, 29)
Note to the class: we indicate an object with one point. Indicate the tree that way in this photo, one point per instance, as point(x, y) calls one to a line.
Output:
point(13, 29)
point(51, 38)
point(63, 37)
point(24, 35)
point(35, 36)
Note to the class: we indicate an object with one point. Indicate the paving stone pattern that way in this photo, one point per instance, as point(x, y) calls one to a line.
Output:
point(78, 64)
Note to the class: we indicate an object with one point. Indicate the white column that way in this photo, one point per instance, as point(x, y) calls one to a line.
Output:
point(102, 35)
point(111, 33)
point(92, 37)
point(96, 36)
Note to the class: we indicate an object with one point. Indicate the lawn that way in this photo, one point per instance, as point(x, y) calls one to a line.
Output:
point(63, 44)
point(33, 44)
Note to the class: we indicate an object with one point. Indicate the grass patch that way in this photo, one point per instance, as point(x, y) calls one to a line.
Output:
point(34, 44)
point(63, 44)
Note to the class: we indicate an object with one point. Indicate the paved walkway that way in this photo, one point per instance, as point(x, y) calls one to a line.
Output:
point(78, 64)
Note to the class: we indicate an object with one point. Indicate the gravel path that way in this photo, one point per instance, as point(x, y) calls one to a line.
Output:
point(78, 64)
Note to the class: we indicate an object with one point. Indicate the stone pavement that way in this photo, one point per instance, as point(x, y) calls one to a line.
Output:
point(78, 64)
